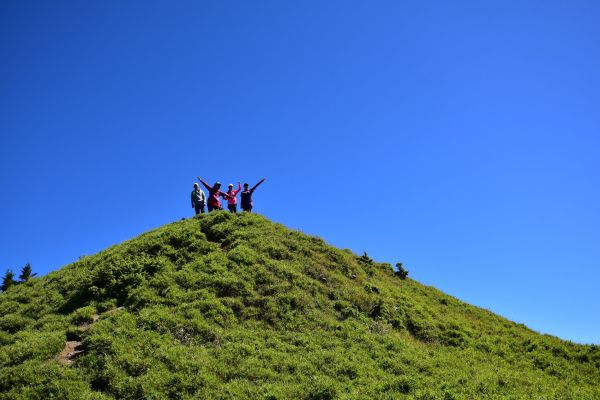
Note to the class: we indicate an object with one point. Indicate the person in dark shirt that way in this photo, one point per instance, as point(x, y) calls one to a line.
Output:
point(246, 196)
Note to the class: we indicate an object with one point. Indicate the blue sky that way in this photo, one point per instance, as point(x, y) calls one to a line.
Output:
point(460, 138)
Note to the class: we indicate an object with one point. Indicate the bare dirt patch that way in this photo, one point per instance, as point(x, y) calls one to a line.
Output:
point(73, 348)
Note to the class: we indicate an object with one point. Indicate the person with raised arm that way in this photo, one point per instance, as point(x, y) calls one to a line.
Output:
point(247, 196)
point(198, 199)
point(231, 197)
point(214, 192)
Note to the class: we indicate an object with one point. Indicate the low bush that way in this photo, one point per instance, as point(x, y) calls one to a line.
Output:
point(83, 315)
point(226, 306)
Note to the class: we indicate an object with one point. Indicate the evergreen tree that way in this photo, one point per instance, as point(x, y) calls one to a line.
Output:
point(401, 272)
point(365, 258)
point(26, 273)
point(8, 280)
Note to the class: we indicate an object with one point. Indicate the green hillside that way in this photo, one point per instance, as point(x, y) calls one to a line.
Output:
point(236, 307)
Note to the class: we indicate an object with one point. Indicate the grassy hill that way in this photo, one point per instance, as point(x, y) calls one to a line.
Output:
point(237, 307)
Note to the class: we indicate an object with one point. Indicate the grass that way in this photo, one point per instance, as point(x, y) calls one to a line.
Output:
point(234, 306)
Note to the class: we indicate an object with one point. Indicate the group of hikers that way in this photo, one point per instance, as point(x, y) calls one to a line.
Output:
point(214, 197)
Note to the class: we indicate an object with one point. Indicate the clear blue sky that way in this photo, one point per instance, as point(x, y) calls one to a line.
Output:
point(461, 138)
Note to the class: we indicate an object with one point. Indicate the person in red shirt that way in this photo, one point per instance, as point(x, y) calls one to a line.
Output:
point(214, 192)
point(231, 197)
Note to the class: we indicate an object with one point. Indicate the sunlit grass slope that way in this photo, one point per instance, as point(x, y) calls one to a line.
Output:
point(237, 307)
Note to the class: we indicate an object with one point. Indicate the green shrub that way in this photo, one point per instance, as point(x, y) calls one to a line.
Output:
point(8, 306)
point(229, 306)
point(45, 380)
point(401, 272)
point(229, 285)
point(83, 315)
point(243, 255)
point(321, 390)
point(402, 384)
point(453, 335)
point(13, 323)
point(5, 338)
point(106, 305)
point(33, 345)
point(51, 322)
point(422, 328)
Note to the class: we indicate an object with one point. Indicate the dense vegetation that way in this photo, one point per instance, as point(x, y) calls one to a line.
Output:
point(234, 307)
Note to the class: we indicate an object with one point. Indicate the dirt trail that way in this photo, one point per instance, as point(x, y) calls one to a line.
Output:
point(74, 347)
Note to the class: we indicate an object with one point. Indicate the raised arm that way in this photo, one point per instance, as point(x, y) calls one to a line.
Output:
point(255, 186)
point(204, 183)
point(235, 192)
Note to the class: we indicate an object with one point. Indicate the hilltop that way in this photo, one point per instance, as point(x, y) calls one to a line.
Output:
point(226, 306)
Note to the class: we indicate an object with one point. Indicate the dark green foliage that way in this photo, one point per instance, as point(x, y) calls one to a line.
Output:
point(8, 280)
point(83, 315)
point(226, 306)
point(26, 273)
point(9, 277)
point(401, 272)
point(365, 259)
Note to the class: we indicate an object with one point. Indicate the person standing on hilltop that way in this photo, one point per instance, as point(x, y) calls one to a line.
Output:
point(231, 197)
point(247, 196)
point(214, 192)
point(198, 199)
